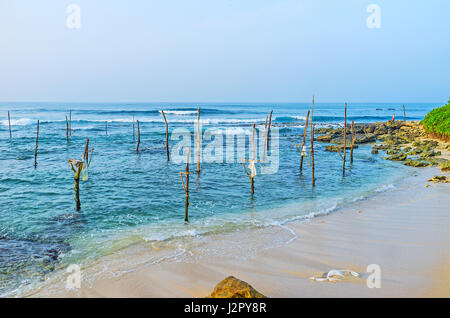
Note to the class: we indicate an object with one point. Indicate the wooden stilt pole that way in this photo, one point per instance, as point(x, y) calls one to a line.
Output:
point(345, 139)
point(186, 186)
point(77, 173)
point(9, 124)
point(252, 181)
point(36, 148)
point(252, 162)
point(353, 141)
point(304, 140)
point(133, 127)
point(268, 129)
point(167, 135)
point(106, 128)
point(404, 113)
point(265, 141)
point(77, 187)
point(86, 151)
point(186, 209)
point(67, 130)
point(139, 136)
point(312, 146)
point(70, 122)
point(198, 141)
point(253, 142)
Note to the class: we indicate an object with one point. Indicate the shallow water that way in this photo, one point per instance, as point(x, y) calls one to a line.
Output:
point(134, 197)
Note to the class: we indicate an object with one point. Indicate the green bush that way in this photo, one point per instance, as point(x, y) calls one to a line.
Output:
point(438, 121)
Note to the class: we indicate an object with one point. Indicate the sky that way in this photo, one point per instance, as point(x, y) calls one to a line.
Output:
point(225, 51)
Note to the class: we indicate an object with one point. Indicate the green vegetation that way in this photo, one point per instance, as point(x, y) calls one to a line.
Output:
point(437, 121)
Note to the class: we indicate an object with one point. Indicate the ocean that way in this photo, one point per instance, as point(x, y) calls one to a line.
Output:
point(133, 197)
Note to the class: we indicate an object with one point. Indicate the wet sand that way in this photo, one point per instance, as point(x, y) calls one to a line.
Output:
point(404, 231)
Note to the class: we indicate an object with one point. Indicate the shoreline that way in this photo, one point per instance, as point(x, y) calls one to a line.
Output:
point(391, 230)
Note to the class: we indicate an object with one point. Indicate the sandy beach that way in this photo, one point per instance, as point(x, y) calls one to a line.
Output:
point(404, 231)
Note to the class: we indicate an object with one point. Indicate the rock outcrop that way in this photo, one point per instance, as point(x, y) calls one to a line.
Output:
point(232, 287)
point(401, 141)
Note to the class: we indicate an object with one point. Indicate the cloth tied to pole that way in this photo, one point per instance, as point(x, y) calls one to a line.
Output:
point(303, 151)
point(84, 171)
point(252, 168)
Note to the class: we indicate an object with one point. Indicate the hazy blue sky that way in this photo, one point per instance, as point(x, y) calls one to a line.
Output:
point(225, 50)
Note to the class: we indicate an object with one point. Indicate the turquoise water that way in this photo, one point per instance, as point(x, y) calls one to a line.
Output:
point(132, 197)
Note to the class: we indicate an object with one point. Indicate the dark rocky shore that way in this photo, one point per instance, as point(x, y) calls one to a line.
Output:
point(401, 141)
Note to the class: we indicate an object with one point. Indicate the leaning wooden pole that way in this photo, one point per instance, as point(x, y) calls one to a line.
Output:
point(312, 146)
point(353, 141)
point(186, 186)
point(9, 124)
point(67, 130)
point(404, 113)
point(167, 135)
point(345, 139)
point(36, 148)
point(303, 143)
point(139, 136)
point(86, 151)
point(198, 141)
point(268, 130)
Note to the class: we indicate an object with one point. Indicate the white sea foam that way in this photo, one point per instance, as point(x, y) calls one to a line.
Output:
point(180, 112)
point(385, 188)
point(205, 121)
point(17, 122)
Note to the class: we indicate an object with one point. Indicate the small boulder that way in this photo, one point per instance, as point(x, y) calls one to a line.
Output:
point(439, 179)
point(333, 148)
point(366, 138)
point(426, 145)
point(324, 138)
point(445, 166)
point(323, 130)
point(429, 154)
point(393, 151)
point(381, 147)
point(232, 287)
point(416, 163)
point(397, 157)
point(415, 152)
point(340, 141)
point(436, 161)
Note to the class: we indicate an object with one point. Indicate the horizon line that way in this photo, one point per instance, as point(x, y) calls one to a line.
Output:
point(220, 102)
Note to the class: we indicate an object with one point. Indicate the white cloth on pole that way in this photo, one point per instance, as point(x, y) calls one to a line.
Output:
point(84, 171)
point(252, 168)
point(303, 151)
